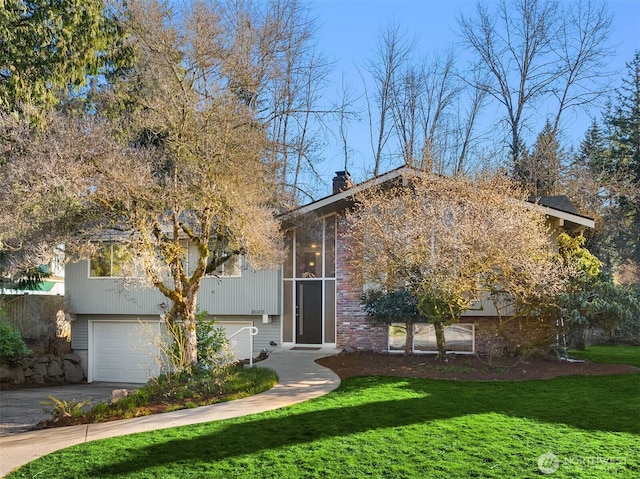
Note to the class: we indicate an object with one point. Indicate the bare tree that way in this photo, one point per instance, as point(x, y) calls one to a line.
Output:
point(443, 239)
point(392, 52)
point(295, 73)
point(406, 98)
point(465, 131)
point(535, 51)
point(583, 56)
point(419, 118)
point(513, 45)
point(345, 112)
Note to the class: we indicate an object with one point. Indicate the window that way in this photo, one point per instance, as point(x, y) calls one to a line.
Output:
point(309, 250)
point(109, 261)
point(330, 247)
point(459, 338)
point(230, 268)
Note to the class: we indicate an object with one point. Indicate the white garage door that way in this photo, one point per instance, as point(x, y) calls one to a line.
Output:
point(122, 351)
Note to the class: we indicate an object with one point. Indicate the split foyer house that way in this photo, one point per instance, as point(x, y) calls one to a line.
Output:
point(308, 302)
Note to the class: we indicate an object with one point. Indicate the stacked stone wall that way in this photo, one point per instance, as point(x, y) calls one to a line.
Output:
point(48, 369)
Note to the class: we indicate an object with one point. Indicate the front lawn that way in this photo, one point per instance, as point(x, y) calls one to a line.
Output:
point(385, 427)
point(611, 354)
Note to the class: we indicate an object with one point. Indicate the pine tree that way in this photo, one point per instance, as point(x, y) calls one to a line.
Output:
point(625, 155)
point(605, 175)
point(539, 171)
point(626, 122)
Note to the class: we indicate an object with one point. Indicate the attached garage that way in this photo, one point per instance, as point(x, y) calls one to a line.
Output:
point(122, 351)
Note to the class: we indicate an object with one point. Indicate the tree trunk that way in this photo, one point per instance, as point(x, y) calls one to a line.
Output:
point(582, 338)
point(190, 339)
point(408, 345)
point(442, 346)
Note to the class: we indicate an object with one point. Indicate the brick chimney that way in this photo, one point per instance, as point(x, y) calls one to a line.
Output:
point(341, 181)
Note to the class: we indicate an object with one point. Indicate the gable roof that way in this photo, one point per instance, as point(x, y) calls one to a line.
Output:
point(559, 207)
point(339, 201)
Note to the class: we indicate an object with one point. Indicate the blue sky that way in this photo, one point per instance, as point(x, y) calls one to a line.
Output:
point(349, 31)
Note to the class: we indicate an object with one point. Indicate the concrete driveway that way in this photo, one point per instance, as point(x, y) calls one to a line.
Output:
point(20, 409)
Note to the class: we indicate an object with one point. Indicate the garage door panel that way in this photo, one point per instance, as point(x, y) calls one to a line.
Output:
point(122, 351)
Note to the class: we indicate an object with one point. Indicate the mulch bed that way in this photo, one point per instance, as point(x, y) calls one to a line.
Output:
point(464, 367)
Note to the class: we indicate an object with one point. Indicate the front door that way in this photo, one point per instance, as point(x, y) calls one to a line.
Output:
point(309, 312)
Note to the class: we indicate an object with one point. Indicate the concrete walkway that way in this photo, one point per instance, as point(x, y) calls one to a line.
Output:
point(300, 377)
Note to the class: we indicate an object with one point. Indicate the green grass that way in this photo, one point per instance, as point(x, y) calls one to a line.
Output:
point(612, 354)
point(381, 427)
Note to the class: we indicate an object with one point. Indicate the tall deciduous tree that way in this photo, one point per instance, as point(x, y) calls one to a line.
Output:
point(444, 240)
point(538, 52)
point(392, 53)
point(415, 115)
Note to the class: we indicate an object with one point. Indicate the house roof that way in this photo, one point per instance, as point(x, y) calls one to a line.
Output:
point(338, 201)
point(559, 207)
point(559, 202)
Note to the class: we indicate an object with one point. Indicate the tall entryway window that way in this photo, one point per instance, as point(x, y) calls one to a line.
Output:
point(309, 285)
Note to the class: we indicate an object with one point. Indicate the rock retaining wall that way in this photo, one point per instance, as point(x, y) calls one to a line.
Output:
point(47, 369)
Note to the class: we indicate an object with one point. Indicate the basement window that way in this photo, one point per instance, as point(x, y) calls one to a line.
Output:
point(459, 338)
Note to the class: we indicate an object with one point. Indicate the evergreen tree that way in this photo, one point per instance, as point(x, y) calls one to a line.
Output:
point(51, 47)
point(625, 155)
point(626, 122)
point(540, 171)
point(604, 178)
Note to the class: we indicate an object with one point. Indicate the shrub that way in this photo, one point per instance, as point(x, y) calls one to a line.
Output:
point(213, 350)
point(211, 342)
point(12, 348)
point(59, 408)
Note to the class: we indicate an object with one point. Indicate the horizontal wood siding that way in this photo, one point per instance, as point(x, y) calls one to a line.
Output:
point(253, 293)
point(80, 334)
point(267, 332)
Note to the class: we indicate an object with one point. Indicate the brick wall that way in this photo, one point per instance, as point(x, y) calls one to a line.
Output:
point(514, 336)
point(354, 331)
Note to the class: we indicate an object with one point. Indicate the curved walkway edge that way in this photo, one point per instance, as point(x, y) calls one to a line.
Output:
point(300, 379)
